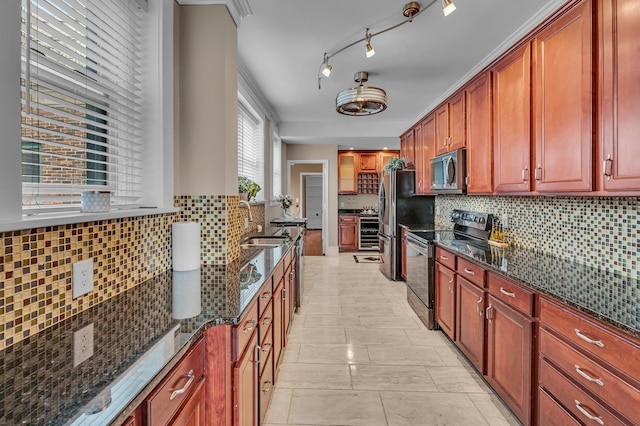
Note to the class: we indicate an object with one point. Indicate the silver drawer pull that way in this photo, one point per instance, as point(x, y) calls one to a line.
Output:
point(266, 295)
point(588, 377)
point(478, 308)
point(266, 321)
point(507, 293)
point(588, 415)
point(177, 392)
point(444, 258)
point(267, 386)
point(588, 340)
point(253, 325)
point(469, 271)
point(266, 347)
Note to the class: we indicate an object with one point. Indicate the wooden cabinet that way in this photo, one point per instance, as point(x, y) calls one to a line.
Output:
point(407, 147)
point(385, 157)
point(479, 136)
point(278, 321)
point(470, 329)
point(619, 94)
point(368, 162)
point(348, 233)
point(245, 388)
point(424, 152)
point(347, 171)
point(445, 284)
point(175, 397)
point(450, 125)
point(563, 103)
point(510, 344)
point(512, 122)
point(193, 413)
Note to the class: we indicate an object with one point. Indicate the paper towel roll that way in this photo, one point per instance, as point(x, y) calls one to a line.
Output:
point(186, 246)
point(186, 294)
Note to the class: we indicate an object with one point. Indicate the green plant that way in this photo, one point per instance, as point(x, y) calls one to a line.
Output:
point(254, 188)
point(243, 184)
point(396, 164)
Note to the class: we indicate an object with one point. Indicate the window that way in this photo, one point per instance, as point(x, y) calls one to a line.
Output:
point(250, 145)
point(82, 90)
point(276, 167)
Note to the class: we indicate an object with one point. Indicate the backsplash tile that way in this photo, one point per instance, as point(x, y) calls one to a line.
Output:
point(594, 231)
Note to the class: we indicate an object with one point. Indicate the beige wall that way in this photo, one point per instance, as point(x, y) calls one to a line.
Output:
point(329, 153)
point(206, 150)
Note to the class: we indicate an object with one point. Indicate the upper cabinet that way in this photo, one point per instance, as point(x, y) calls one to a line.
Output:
point(368, 162)
point(424, 152)
point(563, 103)
point(479, 136)
point(385, 157)
point(450, 125)
point(512, 121)
point(619, 94)
point(347, 169)
point(407, 146)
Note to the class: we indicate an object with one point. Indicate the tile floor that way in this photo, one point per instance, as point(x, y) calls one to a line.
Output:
point(358, 355)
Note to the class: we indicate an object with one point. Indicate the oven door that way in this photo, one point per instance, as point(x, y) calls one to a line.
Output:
point(421, 280)
point(385, 244)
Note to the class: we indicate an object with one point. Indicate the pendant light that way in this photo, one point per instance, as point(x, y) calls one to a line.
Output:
point(361, 100)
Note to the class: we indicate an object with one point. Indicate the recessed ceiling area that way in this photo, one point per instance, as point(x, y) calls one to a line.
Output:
point(282, 43)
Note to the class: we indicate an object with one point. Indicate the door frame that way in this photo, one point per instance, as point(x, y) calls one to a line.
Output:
point(303, 175)
point(325, 194)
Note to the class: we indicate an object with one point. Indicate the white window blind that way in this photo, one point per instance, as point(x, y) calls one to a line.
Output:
point(250, 146)
point(81, 101)
point(276, 159)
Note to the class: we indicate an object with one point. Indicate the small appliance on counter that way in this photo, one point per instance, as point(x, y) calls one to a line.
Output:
point(470, 234)
point(449, 172)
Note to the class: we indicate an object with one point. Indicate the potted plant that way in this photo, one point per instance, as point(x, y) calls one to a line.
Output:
point(396, 164)
point(247, 188)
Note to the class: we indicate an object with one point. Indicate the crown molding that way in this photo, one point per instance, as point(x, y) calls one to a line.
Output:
point(238, 9)
point(249, 84)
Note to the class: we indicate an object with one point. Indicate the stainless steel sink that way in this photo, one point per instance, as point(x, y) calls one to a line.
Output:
point(272, 241)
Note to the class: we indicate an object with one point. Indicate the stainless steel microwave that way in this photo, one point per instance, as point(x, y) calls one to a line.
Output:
point(449, 172)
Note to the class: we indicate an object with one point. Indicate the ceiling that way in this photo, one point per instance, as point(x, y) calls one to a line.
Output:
point(282, 42)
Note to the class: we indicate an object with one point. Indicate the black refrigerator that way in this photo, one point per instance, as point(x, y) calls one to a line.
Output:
point(398, 203)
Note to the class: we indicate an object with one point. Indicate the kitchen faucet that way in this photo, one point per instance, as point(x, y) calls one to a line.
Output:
point(244, 203)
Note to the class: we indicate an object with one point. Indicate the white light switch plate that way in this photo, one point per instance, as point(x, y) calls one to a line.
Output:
point(82, 278)
point(505, 221)
point(82, 344)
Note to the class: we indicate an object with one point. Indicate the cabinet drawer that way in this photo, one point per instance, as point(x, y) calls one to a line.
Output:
point(266, 347)
point(265, 323)
point(265, 298)
point(550, 413)
point(446, 258)
point(471, 272)
point(511, 293)
point(573, 399)
point(245, 328)
point(348, 219)
point(594, 339)
point(620, 395)
point(166, 399)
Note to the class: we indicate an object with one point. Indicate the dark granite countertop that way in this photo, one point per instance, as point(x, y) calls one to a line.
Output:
point(604, 295)
point(139, 335)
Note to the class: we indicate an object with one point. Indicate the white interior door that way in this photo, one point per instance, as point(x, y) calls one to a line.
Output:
point(313, 201)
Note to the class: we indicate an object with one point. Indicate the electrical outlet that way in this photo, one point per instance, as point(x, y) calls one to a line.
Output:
point(82, 344)
point(504, 221)
point(246, 222)
point(437, 210)
point(82, 278)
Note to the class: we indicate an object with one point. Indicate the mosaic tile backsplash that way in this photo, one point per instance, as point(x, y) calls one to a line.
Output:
point(36, 268)
point(594, 231)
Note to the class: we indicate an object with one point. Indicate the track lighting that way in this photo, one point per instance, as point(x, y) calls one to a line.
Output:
point(369, 49)
point(326, 68)
point(448, 7)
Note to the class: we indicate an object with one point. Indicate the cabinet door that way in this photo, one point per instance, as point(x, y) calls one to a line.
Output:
point(407, 147)
point(457, 123)
point(193, 411)
point(470, 322)
point(245, 379)
point(385, 157)
point(424, 155)
point(446, 299)
point(512, 122)
point(619, 89)
point(442, 129)
point(479, 137)
point(509, 356)
point(562, 102)
point(368, 162)
point(347, 170)
point(348, 233)
point(278, 322)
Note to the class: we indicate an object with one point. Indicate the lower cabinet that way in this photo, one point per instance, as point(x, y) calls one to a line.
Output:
point(245, 389)
point(348, 233)
point(193, 412)
point(470, 322)
point(446, 300)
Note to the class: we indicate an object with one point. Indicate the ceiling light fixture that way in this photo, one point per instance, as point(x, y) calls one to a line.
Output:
point(448, 7)
point(369, 49)
point(409, 11)
point(361, 100)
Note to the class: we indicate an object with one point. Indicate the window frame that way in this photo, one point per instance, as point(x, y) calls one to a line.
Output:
point(260, 175)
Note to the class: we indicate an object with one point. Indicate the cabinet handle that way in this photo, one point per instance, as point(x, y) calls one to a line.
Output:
point(538, 173)
point(467, 180)
point(257, 349)
point(444, 258)
point(597, 419)
point(525, 174)
point(588, 377)
point(507, 293)
point(607, 166)
point(450, 285)
point(253, 325)
point(266, 295)
point(177, 392)
point(268, 382)
point(266, 321)
point(489, 312)
point(588, 340)
point(478, 308)
point(266, 347)
point(469, 271)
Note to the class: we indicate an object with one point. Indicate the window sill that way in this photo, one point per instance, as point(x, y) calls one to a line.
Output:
point(66, 218)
